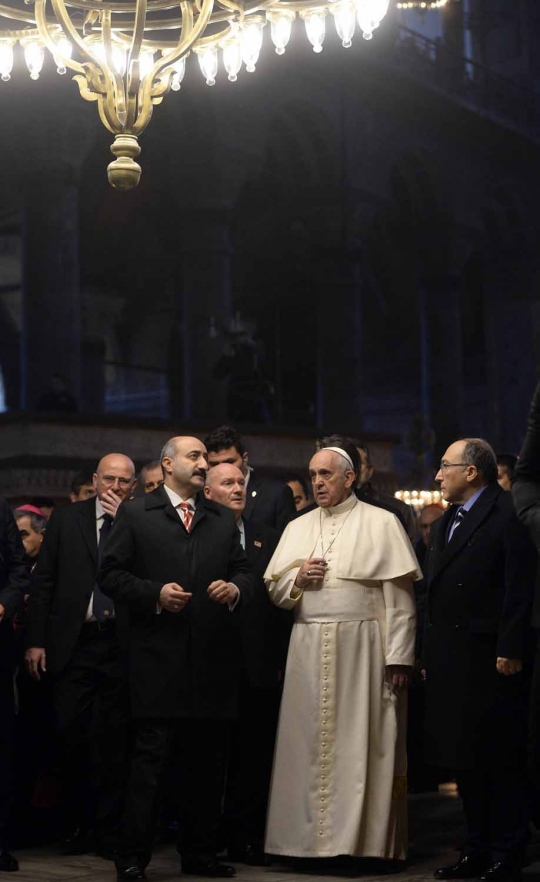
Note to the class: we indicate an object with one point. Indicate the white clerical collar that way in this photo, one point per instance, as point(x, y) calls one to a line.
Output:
point(343, 507)
point(176, 499)
point(100, 511)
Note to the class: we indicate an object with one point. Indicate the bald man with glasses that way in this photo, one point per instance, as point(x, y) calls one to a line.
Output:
point(72, 637)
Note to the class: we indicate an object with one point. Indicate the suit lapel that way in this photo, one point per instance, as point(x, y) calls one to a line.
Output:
point(199, 511)
point(251, 498)
point(86, 514)
point(466, 530)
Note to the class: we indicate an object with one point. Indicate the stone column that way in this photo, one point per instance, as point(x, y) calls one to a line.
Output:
point(339, 354)
point(51, 328)
point(49, 136)
point(205, 307)
point(445, 380)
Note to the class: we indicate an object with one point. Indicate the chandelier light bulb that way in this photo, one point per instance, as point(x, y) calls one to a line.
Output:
point(315, 28)
point(120, 61)
point(6, 59)
point(252, 38)
point(146, 63)
point(345, 22)
point(179, 68)
point(232, 58)
point(34, 57)
point(280, 28)
point(370, 14)
point(208, 63)
point(65, 50)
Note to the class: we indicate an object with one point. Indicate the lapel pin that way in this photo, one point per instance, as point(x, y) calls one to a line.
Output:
point(258, 544)
point(254, 493)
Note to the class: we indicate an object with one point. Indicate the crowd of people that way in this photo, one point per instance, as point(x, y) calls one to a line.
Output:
point(263, 668)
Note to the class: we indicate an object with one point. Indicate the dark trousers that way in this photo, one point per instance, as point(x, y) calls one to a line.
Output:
point(496, 808)
point(7, 735)
point(534, 739)
point(202, 749)
point(90, 698)
point(250, 765)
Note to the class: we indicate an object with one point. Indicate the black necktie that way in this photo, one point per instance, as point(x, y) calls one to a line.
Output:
point(102, 606)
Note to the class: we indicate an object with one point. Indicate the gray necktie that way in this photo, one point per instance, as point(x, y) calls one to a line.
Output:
point(457, 521)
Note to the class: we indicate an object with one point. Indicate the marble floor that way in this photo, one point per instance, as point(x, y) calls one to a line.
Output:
point(435, 831)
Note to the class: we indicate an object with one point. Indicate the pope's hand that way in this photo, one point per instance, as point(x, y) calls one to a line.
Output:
point(312, 570)
point(509, 666)
point(222, 592)
point(397, 677)
point(173, 598)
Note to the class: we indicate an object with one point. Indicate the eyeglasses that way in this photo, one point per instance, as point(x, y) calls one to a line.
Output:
point(451, 465)
point(124, 482)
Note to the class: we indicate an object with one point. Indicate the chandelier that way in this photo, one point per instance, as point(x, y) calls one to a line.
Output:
point(127, 54)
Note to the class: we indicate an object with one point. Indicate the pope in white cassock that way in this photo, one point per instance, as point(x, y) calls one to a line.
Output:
point(339, 779)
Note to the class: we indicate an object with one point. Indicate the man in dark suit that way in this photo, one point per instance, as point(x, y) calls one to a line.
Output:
point(72, 634)
point(526, 493)
point(14, 584)
point(175, 567)
point(366, 492)
point(480, 571)
point(265, 632)
point(268, 501)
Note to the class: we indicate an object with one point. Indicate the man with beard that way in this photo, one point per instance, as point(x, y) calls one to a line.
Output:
point(175, 565)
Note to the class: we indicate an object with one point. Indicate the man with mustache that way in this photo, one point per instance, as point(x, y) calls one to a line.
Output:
point(175, 566)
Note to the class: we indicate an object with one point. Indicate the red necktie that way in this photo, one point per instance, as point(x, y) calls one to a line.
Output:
point(187, 514)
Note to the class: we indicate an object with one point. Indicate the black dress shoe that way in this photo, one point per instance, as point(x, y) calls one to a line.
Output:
point(468, 867)
point(129, 873)
point(502, 871)
point(8, 863)
point(212, 868)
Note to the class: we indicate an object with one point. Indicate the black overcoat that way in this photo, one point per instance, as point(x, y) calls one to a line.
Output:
point(14, 584)
point(183, 664)
point(266, 629)
point(63, 581)
point(269, 501)
point(480, 588)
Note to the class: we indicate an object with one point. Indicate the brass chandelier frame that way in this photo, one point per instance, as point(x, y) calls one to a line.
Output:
point(126, 61)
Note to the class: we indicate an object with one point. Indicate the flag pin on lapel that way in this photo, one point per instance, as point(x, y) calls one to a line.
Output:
point(257, 543)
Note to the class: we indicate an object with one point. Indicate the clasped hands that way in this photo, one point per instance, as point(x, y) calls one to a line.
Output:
point(173, 598)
